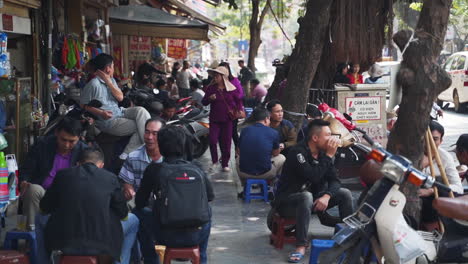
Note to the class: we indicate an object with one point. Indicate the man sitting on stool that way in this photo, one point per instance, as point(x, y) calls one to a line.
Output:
point(259, 151)
point(308, 172)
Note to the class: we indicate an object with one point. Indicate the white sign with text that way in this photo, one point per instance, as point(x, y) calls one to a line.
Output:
point(364, 108)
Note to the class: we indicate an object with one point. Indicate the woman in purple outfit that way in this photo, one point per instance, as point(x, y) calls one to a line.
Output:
point(240, 105)
point(223, 97)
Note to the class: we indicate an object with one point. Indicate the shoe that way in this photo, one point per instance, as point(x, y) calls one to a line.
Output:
point(241, 195)
point(226, 169)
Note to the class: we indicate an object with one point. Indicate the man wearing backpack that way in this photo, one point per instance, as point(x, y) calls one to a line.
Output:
point(182, 215)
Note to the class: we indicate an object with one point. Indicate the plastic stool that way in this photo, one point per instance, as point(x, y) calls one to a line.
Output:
point(11, 242)
point(11, 256)
point(278, 235)
point(78, 260)
point(263, 195)
point(319, 245)
point(192, 253)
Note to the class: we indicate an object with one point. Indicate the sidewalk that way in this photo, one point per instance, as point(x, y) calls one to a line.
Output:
point(239, 232)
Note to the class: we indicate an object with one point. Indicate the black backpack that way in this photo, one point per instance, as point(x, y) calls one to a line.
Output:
point(182, 200)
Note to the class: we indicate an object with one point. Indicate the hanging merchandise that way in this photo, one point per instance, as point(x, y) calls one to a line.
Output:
point(4, 195)
point(65, 50)
point(13, 175)
point(3, 42)
point(71, 56)
point(5, 69)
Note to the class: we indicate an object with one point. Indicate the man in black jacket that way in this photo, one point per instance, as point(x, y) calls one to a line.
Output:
point(49, 155)
point(171, 145)
point(309, 182)
point(86, 205)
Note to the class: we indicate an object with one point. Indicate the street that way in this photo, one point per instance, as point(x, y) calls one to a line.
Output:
point(455, 124)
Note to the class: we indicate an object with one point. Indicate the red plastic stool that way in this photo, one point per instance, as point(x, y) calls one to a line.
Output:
point(78, 260)
point(278, 235)
point(192, 253)
point(13, 257)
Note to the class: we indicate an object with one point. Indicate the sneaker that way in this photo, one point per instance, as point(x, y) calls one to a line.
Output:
point(226, 169)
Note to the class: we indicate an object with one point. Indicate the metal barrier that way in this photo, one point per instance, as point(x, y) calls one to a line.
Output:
point(318, 95)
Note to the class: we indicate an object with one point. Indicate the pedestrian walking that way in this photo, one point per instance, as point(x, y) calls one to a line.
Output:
point(223, 99)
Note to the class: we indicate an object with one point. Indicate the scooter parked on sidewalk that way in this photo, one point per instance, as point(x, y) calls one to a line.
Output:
point(379, 220)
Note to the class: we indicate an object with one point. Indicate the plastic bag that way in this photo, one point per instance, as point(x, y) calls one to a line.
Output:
point(408, 243)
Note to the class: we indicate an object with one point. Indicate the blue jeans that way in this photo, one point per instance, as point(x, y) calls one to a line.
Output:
point(130, 230)
point(146, 235)
point(129, 226)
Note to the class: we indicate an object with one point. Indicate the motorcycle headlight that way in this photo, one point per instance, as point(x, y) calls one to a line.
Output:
point(395, 168)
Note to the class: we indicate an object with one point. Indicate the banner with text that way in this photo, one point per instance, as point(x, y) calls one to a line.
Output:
point(177, 48)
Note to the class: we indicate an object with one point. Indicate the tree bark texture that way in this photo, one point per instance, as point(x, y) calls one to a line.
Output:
point(274, 91)
point(305, 57)
point(255, 27)
point(421, 79)
point(357, 34)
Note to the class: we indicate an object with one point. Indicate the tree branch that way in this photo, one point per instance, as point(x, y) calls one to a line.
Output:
point(263, 14)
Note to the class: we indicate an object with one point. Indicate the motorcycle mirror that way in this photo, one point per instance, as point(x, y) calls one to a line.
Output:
point(95, 103)
point(155, 91)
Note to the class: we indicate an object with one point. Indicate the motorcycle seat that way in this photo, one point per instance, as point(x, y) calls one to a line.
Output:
point(456, 208)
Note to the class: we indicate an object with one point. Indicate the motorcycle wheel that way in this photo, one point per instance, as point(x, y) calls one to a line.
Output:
point(199, 148)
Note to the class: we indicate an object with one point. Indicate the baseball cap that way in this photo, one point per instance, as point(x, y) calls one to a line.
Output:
point(462, 143)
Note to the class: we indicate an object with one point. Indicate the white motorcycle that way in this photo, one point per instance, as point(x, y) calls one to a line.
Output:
point(379, 221)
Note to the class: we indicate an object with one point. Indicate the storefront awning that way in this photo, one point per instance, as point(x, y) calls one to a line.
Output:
point(141, 20)
point(214, 26)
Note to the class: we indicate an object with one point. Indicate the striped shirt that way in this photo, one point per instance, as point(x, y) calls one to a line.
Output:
point(135, 165)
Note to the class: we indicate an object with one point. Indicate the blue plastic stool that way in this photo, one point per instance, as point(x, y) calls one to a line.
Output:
point(262, 195)
point(11, 242)
point(319, 245)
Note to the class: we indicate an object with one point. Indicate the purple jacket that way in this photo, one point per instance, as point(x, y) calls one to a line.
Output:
point(219, 108)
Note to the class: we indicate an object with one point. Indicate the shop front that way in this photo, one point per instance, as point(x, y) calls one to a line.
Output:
point(18, 75)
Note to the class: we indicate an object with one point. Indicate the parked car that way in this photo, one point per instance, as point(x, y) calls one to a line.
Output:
point(457, 67)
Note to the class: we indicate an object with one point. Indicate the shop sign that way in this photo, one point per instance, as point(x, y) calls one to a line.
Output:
point(7, 22)
point(15, 24)
point(177, 48)
point(140, 48)
point(364, 108)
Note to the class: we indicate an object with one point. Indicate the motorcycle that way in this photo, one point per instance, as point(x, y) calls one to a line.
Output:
point(196, 124)
point(379, 220)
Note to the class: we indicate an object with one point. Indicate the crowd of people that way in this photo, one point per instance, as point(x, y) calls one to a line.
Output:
point(159, 197)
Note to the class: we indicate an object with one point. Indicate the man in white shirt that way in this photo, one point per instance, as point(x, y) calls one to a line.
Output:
point(428, 214)
point(183, 80)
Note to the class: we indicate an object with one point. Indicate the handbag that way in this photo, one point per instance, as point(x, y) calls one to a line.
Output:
point(234, 114)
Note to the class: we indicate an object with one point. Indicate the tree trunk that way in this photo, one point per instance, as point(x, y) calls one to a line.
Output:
point(422, 80)
point(274, 90)
point(305, 57)
point(255, 26)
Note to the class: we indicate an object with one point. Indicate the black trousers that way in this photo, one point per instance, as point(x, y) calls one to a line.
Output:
point(299, 206)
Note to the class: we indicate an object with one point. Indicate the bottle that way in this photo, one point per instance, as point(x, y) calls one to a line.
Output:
point(4, 193)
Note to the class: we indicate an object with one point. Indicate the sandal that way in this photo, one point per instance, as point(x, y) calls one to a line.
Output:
point(295, 257)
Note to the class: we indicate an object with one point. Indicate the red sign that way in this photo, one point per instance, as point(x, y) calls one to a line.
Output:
point(7, 21)
point(177, 48)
